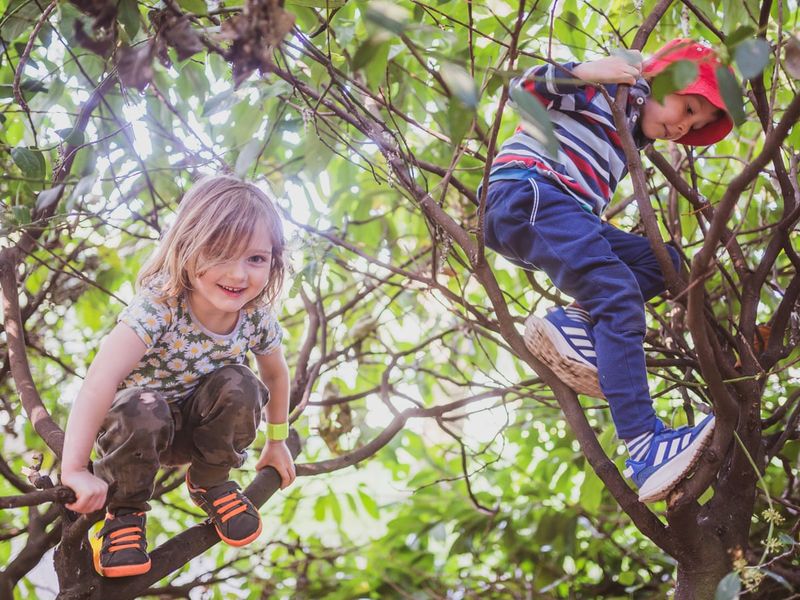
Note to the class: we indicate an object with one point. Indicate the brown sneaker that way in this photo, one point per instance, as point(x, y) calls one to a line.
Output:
point(234, 517)
point(123, 549)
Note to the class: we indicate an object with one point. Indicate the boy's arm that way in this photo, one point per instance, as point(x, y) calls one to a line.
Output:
point(119, 353)
point(611, 69)
point(275, 375)
point(550, 82)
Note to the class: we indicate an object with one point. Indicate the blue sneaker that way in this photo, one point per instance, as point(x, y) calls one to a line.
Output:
point(563, 340)
point(662, 459)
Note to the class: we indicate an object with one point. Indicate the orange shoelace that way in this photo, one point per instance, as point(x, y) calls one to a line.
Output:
point(229, 506)
point(118, 540)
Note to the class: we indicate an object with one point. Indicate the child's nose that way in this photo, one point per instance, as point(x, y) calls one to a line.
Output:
point(236, 269)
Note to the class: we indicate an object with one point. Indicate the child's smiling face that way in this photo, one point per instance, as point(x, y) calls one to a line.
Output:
point(222, 290)
point(676, 116)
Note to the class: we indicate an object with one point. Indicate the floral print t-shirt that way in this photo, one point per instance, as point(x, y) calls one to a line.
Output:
point(180, 350)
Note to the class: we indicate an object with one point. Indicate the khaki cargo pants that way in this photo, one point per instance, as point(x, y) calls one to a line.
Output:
point(210, 429)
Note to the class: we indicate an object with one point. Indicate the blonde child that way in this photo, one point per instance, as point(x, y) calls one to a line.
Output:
point(169, 384)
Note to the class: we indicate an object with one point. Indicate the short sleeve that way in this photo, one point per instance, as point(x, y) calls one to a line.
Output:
point(147, 316)
point(268, 332)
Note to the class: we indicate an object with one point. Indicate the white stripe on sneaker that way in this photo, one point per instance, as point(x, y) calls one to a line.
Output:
point(674, 446)
point(637, 442)
point(639, 446)
point(576, 331)
point(662, 449)
point(583, 343)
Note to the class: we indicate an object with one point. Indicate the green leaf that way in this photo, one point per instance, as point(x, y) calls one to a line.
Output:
point(675, 77)
point(387, 15)
point(247, 156)
point(47, 198)
point(317, 3)
point(22, 214)
point(751, 57)
point(729, 587)
point(731, 94)
point(28, 87)
point(336, 508)
point(591, 490)
point(460, 84)
point(632, 57)
point(19, 17)
point(366, 52)
point(128, 15)
point(70, 136)
point(222, 101)
point(198, 7)
point(369, 504)
point(30, 162)
point(535, 120)
point(742, 33)
point(627, 578)
point(320, 507)
point(459, 120)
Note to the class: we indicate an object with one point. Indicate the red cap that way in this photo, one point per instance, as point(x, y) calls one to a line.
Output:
point(705, 85)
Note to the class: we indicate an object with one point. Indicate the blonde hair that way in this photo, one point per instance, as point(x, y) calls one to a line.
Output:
point(216, 218)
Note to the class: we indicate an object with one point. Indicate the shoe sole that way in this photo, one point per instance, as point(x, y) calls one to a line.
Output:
point(242, 542)
point(543, 340)
point(120, 571)
point(227, 540)
point(661, 483)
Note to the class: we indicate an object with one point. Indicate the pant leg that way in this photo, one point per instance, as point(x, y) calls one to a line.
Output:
point(538, 224)
point(634, 251)
point(136, 430)
point(220, 420)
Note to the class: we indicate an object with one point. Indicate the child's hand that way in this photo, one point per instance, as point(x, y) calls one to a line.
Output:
point(612, 69)
point(90, 491)
point(277, 455)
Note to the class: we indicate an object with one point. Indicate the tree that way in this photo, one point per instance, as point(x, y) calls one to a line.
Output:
point(378, 121)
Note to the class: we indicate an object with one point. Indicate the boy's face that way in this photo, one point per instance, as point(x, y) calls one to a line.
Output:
point(678, 114)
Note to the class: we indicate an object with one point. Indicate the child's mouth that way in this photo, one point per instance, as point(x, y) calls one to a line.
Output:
point(233, 292)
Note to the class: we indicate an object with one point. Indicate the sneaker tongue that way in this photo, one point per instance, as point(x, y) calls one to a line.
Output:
point(224, 488)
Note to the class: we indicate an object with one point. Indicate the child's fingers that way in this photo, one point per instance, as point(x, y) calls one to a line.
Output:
point(87, 504)
point(288, 475)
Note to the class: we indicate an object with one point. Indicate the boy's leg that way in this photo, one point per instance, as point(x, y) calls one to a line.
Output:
point(634, 250)
point(536, 223)
point(220, 420)
point(136, 430)
point(539, 227)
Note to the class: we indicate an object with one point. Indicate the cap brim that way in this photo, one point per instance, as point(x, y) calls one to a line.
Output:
point(713, 132)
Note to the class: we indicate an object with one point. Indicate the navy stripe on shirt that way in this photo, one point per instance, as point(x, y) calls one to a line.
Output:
point(590, 161)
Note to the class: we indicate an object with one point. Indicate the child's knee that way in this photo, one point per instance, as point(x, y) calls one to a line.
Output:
point(238, 387)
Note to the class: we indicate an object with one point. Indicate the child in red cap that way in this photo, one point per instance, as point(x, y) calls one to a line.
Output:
point(543, 213)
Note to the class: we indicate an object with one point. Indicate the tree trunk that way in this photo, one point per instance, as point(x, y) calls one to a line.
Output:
point(699, 581)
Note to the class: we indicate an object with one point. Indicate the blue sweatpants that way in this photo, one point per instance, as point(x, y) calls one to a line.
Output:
point(611, 273)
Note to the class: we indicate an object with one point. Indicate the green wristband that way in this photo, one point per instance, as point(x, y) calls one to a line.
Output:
point(277, 431)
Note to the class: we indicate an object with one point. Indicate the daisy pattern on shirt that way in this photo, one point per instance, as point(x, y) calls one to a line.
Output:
point(195, 350)
point(180, 352)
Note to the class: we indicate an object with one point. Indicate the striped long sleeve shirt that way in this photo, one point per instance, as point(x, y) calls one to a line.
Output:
point(590, 161)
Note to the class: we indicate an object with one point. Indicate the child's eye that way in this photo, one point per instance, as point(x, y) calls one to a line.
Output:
point(258, 259)
point(689, 109)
